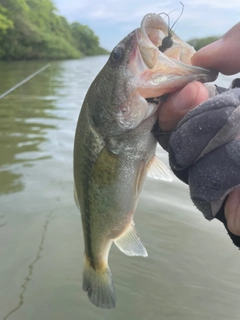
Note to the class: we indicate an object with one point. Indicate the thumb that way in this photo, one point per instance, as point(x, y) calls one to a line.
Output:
point(232, 211)
point(221, 55)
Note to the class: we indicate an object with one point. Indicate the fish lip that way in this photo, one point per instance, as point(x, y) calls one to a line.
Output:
point(177, 58)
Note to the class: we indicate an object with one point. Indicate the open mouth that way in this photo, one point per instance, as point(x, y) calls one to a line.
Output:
point(155, 33)
point(167, 59)
point(155, 30)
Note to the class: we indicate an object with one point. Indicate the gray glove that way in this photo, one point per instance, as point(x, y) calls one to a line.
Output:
point(204, 151)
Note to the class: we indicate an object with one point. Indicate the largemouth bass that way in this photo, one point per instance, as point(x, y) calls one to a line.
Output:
point(114, 149)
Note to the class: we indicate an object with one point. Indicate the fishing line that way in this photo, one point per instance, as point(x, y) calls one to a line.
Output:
point(167, 42)
point(24, 80)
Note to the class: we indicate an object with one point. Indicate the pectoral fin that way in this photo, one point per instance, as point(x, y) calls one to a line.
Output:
point(130, 244)
point(105, 170)
point(157, 170)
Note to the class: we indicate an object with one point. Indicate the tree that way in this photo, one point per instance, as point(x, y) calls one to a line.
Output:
point(198, 43)
point(5, 22)
point(32, 29)
point(86, 41)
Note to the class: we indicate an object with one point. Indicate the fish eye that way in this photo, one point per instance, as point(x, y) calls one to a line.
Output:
point(117, 54)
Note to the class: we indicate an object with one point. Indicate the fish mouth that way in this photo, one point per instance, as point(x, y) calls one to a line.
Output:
point(164, 68)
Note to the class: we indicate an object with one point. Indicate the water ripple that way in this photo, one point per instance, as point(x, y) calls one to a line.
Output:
point(32, 265)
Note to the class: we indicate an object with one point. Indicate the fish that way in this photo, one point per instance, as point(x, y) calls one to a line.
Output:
point(114, 149)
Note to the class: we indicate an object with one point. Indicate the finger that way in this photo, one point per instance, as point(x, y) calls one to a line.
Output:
point(232, 211)
point(222, 55)
point(180, 103)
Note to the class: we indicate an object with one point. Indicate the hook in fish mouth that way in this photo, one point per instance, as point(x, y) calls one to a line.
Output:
point(167, 71)
point(155, 33)
point(152, 33)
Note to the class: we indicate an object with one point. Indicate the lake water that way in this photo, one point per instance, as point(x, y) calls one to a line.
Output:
point(193, 269)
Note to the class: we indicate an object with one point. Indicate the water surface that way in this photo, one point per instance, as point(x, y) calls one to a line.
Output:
point(193, 270)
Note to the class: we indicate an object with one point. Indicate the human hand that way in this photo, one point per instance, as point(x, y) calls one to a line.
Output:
point(222, 55)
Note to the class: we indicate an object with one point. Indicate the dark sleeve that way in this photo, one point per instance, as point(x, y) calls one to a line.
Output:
point(204, 152)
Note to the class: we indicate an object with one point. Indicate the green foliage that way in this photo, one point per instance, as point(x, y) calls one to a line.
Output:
point(5, 22)
point(31, 29)
point(86, 41)
point(198, 43)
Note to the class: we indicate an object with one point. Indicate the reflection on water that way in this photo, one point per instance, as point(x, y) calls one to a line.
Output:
point(192, 271)
point(24, 121)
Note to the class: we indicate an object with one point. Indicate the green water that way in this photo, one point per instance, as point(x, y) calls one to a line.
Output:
point(193, 270)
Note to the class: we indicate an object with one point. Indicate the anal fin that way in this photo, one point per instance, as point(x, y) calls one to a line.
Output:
point(130, 244)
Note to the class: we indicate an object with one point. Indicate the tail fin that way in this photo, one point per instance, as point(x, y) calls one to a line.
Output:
point(99, 286)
